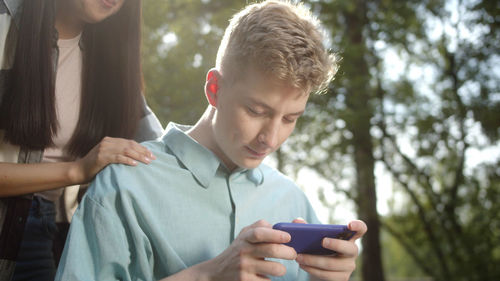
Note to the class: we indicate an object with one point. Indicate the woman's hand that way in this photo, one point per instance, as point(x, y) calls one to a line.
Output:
point(17, 179)
point(108, 151)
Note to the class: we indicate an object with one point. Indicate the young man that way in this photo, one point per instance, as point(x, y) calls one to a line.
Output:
point(204, 209)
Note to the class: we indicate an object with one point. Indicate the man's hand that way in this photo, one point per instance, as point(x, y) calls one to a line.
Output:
point(340, 266)
point(245, 257)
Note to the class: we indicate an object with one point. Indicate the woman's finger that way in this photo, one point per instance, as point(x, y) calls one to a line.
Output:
point(134, 153)
point(112, 147)
point(141, 149)
point(122, 159)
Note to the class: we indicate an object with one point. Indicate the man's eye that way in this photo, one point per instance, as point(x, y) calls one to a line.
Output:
point(254, 111)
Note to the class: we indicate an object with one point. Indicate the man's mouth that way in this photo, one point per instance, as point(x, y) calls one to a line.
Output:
point(257, 154)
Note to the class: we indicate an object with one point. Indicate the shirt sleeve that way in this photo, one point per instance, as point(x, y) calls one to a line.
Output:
point(149, 127)
point(101, 244)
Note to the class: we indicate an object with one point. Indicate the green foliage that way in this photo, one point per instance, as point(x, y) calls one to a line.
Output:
point(453, 202)
point(424, 130)
point(397, 261)
point(180, 41)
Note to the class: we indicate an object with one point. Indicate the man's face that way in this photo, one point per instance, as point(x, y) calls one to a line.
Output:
point(254, 116)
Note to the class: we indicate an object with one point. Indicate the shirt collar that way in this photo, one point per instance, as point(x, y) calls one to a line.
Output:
point(13, 7)
point(199, 160)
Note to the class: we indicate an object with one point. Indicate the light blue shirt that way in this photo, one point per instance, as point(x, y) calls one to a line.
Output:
point(151, 221)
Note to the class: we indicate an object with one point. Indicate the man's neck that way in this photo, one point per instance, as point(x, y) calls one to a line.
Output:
point(203, 133)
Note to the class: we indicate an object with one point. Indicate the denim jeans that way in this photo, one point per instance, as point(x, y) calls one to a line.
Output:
point(36, 259)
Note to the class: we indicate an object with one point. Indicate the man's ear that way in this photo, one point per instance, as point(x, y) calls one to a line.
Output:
point(212, 86)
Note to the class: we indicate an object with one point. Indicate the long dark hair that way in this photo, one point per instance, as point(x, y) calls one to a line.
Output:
point(111, 103)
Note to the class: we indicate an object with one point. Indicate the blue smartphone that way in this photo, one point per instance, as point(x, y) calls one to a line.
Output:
point(307, 238)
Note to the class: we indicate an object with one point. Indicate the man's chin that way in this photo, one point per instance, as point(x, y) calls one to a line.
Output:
point(251, 163)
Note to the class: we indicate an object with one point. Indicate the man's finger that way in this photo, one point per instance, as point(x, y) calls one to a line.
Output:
point(327, 263)
point(266, 235)
point(272, 268)
point(299, 220)
point(358, 226)
point(342, 247)
point(324, 274)
point(272, 250)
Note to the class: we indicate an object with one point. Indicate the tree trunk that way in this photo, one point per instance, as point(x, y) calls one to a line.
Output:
point(357, 100)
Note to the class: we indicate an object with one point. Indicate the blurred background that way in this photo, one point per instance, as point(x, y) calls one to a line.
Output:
point(406, 137)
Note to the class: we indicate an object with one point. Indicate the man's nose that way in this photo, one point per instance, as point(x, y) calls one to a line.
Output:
point(269, 134)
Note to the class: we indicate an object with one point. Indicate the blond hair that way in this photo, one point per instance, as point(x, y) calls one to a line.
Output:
point(283, 40)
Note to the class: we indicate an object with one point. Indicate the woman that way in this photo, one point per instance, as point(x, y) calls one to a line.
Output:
point(70, 98)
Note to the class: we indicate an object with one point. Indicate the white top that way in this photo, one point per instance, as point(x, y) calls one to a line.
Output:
point(68, 97)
